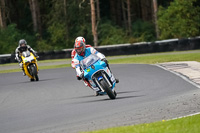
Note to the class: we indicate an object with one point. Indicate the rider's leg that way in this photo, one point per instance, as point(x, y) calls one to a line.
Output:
point(117, 80)
point(86, 82)
point(22, 67)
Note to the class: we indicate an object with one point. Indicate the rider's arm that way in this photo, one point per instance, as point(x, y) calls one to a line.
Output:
point(94, 51)
point(100, 55)
point(17, 55)
point(31, 50)
point(77, 67)
point(73, 53)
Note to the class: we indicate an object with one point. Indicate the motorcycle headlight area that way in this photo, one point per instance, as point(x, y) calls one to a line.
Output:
point(29, 59)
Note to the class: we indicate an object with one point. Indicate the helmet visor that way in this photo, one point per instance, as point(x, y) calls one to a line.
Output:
point(79, 50)
point(23, 45)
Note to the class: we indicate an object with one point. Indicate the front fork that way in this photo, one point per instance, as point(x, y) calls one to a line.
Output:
point(104, 77)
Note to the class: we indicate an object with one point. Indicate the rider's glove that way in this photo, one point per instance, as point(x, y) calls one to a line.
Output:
point(81, 76)
point(18, 59)
point(104, 59)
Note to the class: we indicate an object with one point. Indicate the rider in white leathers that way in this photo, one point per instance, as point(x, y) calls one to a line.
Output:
point(81, 53)
point(21, 48)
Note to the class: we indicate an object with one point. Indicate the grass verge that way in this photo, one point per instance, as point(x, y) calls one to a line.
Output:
point(40, 68)
point(183, 125)
point(159, 58)
point(141, 58)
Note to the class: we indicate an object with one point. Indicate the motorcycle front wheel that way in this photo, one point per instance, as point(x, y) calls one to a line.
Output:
point(34, 73)
point(107, 89)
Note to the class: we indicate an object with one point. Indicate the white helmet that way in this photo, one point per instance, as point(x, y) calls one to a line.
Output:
point(80, 38)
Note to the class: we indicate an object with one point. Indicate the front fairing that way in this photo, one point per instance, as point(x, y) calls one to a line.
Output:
point(27, 59)
point(89, 71)
point(95, 66)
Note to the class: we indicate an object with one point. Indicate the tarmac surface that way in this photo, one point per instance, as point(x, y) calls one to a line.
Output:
point(58, 103)
point(188, 69)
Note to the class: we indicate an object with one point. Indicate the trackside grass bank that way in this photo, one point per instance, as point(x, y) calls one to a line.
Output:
point(159, 57)
point(188, 124)
point(40, 68)
point(141, 58)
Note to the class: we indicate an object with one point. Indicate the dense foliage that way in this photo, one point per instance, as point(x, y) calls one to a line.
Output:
point(180, 20)
point(9, 36)
point(62, 22)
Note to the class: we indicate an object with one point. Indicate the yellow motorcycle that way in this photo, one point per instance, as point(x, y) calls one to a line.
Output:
point(30, 65)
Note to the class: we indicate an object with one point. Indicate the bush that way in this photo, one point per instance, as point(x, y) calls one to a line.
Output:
point(9, 38)
point(43, 46)
point(143, 31)
point(58, 36)
point(109, 34)
point(180, 20)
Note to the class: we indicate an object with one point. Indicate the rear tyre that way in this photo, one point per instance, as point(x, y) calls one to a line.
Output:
point(107, 89)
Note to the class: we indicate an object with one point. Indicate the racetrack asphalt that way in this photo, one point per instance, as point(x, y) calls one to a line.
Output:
point(59, 103)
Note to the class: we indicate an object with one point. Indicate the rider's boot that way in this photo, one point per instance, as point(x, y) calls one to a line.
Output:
point(97, 93)
point(117, 80)
point(85, 84)
point(22, 67)
point(23, 72)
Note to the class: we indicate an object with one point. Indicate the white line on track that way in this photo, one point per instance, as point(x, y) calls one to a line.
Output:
point(183, 116)
point(186, 79)
point(180, 75)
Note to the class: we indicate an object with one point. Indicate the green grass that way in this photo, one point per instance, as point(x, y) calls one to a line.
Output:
point(40, 68)
point(158, 58)
point(154, 58)
point(55, 66)
point(183, 125)
point(54, 60)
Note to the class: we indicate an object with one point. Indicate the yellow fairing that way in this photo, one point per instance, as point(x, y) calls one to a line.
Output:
point(26, 64)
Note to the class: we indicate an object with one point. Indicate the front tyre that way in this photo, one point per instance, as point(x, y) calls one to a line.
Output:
point(107, 89)
point(34, 73)
point(36, 78)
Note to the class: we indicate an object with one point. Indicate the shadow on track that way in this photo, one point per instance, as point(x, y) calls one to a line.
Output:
point(122, 92)
point(28, 81)
point(108, 99)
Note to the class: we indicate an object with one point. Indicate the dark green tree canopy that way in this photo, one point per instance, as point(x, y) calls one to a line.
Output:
point(180, 20)
point(54, 24)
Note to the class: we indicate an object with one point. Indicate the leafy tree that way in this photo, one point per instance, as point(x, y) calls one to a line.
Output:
point(111, 34)
point(181, 19)
point(66, 21)
point(9, 38)
point(143, 31)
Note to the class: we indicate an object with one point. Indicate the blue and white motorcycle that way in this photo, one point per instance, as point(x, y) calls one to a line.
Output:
point(98, 76)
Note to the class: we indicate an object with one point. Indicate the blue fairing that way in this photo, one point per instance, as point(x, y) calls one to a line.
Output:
point(99, 65)
point(92, 65)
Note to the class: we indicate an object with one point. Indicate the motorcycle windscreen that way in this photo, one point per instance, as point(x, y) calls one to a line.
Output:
point(26, 53)
point(88, 61)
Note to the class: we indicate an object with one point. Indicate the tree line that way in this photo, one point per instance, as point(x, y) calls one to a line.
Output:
point(54, 24)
